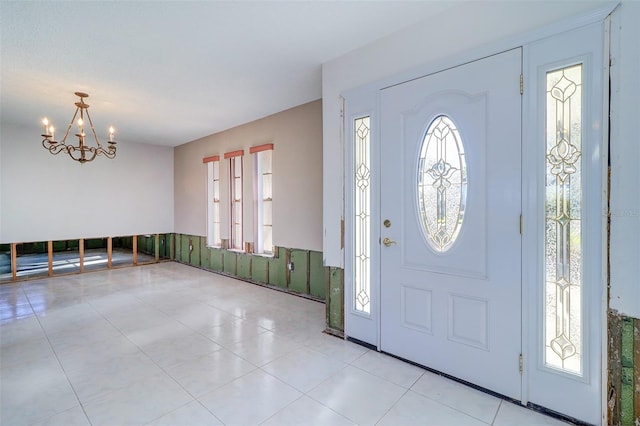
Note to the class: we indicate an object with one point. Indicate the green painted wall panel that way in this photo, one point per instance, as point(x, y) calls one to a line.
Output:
point(184, 248)
point(628, 382)
point(66, 245)
point(627, 342)
point(94, 243)
point(317, 284)
point(298, 277)
point(244, 266)
point(156, 246)
point(176, 247)
point(277, 269)
point(205, 254)
point(215, 256)
point(623, 369)
point(146, 244)
point(122, 243)
point(230, 263)
point(335, 302)
point(195, 250)
point(59, 246)
point(165, 246)
point(260, 269)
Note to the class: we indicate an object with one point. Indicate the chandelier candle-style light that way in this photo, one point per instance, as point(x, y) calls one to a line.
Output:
point(80, 152)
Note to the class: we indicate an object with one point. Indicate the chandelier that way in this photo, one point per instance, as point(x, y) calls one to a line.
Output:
point(81, 152)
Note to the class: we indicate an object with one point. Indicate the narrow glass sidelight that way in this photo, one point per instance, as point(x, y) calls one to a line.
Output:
point(362, 209)
point(442, 184)
point(563, 212)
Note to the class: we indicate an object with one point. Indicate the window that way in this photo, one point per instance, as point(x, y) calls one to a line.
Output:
point(213, 200)
point(263, 198)
point(235, 198)
point(442, 183)
point(362, 203)
point(563, 220)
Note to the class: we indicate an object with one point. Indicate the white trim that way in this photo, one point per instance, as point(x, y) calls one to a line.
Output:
point(604, 148)
point(211, 237)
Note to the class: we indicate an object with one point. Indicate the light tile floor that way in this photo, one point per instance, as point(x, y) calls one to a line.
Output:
point(168, 344)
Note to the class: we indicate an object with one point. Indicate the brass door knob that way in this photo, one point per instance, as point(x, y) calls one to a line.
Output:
point(388, 241)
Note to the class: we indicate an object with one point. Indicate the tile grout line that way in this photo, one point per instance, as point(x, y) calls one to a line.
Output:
point(46, 335)
point(392, 405)
point(495, 416)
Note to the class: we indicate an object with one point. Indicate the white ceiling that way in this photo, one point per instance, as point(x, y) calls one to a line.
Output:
point(168, 72)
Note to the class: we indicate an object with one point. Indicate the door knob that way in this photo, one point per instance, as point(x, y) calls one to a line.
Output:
point(388, 241)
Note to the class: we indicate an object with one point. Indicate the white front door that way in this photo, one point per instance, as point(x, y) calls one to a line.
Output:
point(450, 202)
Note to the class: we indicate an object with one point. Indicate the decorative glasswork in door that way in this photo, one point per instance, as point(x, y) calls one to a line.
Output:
point(442, 183)
point(362, 210)
point(563, 234)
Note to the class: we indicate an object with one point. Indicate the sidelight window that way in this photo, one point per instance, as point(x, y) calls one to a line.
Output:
point(563, 224)
point(362, 210)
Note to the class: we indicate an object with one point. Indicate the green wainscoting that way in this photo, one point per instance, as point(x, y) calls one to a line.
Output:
point(299, 275)
point(230, 263)
point(260, 269)
point(216, 259)
point(335, 299)
point(623, 370)
point(205, 256)
point(243, 266)
point(278, 268)
point(317, 281)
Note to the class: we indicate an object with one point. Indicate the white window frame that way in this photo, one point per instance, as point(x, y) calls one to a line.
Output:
point(262, 195)
point(213, 201)
point(236, 241)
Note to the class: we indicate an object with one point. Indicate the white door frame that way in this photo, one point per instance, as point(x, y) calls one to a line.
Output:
point(364, 101)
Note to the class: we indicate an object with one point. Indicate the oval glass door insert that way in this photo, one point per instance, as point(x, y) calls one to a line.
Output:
point(442, 184)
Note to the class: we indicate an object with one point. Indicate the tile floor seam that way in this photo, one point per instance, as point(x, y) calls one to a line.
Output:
point(324, 405)
point(391, 407)
point(342, 340)
point(283, 408)
point(249, 361)
point(224, 384)
point(497, 411)
point(324, 381)
point(290, 385)
point(180, 407)
point(455, 408)
point(304, 395)
point(66, 376)
point(384, 378)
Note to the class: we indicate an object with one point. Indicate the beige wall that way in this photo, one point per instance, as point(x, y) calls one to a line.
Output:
point(297, 177)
